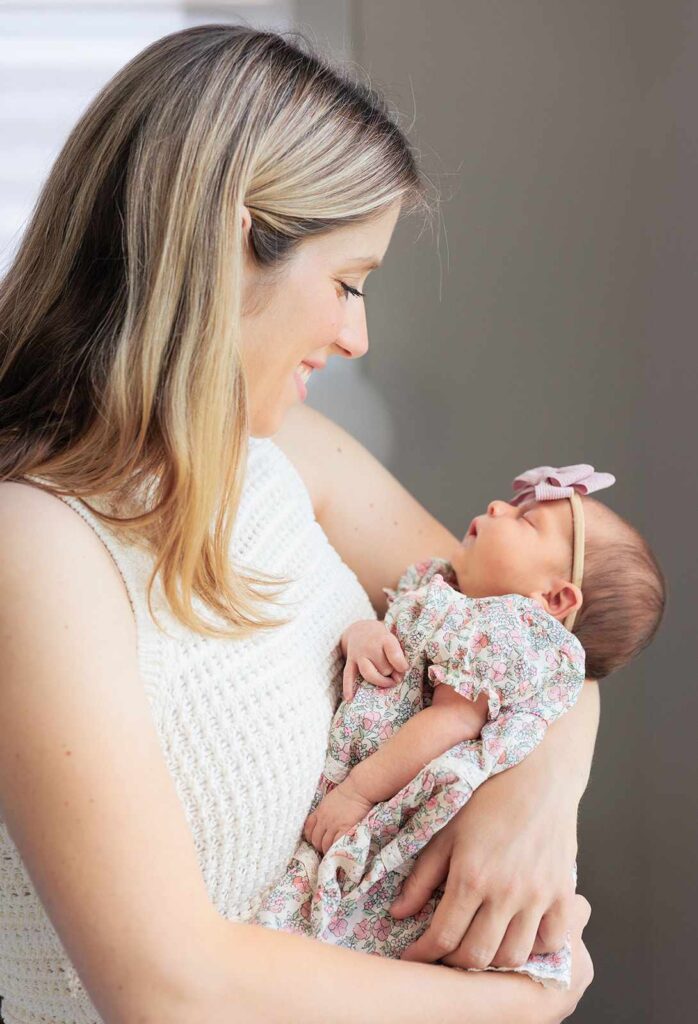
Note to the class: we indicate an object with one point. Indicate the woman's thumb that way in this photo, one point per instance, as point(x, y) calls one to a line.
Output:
point(426, 875)
point(582, 910)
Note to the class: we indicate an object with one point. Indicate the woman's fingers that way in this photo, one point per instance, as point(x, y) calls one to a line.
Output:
point(582, 966)
point(517, 945)
point(452, 919)
point(485, 930)
point(429, 871)
point(580, 914)
point(554, 925)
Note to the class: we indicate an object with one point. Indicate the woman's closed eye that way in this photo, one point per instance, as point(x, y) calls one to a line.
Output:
point(348, 290)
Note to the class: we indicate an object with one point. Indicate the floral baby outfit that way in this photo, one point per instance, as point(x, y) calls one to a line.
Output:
point(532, 670)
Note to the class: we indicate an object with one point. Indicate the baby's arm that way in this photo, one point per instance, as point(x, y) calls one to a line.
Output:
point(450, 719)
point(432, 731)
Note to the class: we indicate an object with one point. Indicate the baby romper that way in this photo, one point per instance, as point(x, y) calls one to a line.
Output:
point(532, 670)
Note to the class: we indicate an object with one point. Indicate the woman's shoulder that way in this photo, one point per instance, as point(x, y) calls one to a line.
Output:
point(30, 511)
point(44, 545)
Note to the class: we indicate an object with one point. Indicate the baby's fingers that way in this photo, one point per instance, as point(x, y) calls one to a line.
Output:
point(309, 826)
point(372, 675)
point(349, 680)
point(394, 653)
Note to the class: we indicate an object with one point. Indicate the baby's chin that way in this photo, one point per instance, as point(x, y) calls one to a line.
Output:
point(461, 580)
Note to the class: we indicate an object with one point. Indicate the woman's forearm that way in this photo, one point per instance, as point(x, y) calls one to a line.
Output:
point(257, 974)
point(557, 770)
point(569, 742)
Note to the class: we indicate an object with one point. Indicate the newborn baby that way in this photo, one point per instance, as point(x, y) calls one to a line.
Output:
point(475, 658)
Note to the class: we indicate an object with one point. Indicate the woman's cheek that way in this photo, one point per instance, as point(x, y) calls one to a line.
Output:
point(332, 324)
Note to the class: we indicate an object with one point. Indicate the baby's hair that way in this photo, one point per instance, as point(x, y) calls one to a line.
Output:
point(624, 592)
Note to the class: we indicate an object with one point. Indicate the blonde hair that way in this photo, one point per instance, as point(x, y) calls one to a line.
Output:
point(120, 314)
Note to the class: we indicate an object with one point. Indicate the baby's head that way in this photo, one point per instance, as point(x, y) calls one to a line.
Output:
point(527, 548)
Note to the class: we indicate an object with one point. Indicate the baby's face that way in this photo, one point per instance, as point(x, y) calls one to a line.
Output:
point(515, 549)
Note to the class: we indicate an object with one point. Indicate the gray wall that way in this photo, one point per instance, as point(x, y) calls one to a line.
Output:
point(554, 323)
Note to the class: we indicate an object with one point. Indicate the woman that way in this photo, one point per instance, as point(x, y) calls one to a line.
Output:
point(199, 247)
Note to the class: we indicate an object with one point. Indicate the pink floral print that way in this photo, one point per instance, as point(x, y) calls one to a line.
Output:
point(532, 670)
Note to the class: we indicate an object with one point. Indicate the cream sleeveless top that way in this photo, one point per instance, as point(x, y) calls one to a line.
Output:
point(243, 727)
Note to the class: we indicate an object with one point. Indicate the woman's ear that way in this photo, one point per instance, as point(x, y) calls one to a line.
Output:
point(246, 219)
point(560, 599)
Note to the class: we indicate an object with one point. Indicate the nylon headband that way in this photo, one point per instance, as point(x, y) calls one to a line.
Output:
point(577, 551)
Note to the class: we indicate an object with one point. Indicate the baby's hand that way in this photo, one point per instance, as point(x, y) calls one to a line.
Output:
point(335, 815)
point(373, 652)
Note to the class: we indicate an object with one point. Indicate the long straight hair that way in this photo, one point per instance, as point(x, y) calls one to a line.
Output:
point(120, 364)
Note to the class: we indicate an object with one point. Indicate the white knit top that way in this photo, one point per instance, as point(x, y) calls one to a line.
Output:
point(243, 727)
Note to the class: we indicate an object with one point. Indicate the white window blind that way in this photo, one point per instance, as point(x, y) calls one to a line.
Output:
point(55, 55)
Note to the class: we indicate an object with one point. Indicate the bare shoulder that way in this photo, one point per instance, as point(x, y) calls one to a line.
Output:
point(39, 531)
point(372, 520)
point(104, 837)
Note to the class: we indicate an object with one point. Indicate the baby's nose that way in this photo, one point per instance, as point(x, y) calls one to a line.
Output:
point(498, 508)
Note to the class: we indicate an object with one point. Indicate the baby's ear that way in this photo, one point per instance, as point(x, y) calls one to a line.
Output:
point(561, 598)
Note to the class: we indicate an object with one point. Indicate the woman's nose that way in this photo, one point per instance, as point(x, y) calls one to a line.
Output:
point(353, 337)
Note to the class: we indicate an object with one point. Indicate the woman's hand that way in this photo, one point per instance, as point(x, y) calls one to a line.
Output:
point(373, 652)
point(507, 857)
point(559, 1004)
point(335, 815)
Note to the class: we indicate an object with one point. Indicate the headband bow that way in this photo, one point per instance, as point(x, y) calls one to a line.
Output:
point(547, 483)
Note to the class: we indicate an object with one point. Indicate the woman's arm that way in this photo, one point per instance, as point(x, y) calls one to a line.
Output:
point(318, 983)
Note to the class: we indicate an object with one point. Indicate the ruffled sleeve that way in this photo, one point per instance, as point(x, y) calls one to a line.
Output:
point(530, 666)
point(418, 575)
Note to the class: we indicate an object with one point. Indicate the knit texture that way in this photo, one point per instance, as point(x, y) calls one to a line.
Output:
point(243, 726)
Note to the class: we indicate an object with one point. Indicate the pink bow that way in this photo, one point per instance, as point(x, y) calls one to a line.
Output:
point(547, 483)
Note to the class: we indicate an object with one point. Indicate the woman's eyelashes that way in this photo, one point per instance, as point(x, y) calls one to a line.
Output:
point(348, 290)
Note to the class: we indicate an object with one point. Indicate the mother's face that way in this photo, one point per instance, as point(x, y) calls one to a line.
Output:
point(307, 314)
